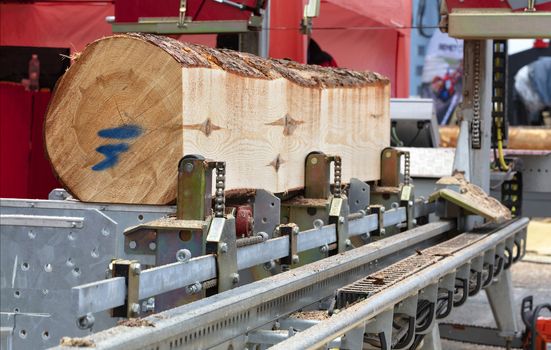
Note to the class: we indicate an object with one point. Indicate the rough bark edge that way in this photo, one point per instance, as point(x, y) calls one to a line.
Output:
point(252, 66)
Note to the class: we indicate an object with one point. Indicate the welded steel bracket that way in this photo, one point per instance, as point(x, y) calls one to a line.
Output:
point(338, 215)
point(379, 210)
point(408, 309)
point(194, 196)
point(222, 242)
point(290, 231)
point(130, 270)
point(381, 326)
point(358, 195)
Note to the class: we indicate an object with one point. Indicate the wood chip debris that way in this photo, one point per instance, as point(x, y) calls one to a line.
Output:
point(310, 315)
point(136, 322)
point(77, 342)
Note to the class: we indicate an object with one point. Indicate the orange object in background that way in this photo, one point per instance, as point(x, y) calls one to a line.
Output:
point(543, 337)
point(526, 137)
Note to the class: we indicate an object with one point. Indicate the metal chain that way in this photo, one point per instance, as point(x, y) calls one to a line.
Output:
point(337, 190)
point(220, 199)
point(407, 177)
point(475, 132)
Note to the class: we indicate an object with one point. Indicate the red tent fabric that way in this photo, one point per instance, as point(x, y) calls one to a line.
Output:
point(54, 24)
point(374, 37)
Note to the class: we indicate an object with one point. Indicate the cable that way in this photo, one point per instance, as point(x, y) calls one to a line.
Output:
point(395, 137)
point(502, 162)
point(198, 10)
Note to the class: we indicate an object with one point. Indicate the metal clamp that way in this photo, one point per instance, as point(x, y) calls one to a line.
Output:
point(130, 270)
point(380, 211)
point(390, 167)
point(316, 175)
point(221, 241)
point(338, 215)
point(291, 231)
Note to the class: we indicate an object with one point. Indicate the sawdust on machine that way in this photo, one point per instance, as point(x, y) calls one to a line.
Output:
point(77, 342)
point(136, 322)
point(475, 194)
point(318, 315)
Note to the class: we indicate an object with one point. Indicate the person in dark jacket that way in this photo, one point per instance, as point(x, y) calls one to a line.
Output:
point(317, 56)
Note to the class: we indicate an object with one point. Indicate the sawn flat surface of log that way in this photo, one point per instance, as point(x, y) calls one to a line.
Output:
point(132, 105)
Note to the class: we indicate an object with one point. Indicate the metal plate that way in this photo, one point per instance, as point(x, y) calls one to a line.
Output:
point(42, 263)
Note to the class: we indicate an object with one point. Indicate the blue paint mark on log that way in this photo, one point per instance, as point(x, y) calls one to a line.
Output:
point(111, 153)
point(127, 131)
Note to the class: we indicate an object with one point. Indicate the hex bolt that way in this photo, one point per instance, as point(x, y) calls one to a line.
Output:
point(382, 231)
point(135, 309)
point(318, 223)
point(324, 248)
point(382, 209)
point(269, 265)
point(414, 221)
point(86, 322)
point(295, 259)
point(235, 278)
point(410, 203)
point(194, 288)
point(148, 305)
point(295, 230)
point(348, 243)
point(137, 269)
point(183, 255)
point(188, 167)
point(223, 248)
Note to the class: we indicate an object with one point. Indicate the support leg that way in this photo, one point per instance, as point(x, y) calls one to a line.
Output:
point(501, 298)
point(432, 339)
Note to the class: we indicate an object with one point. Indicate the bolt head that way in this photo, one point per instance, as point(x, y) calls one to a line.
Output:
point(135, 308)
point(137, 269)
point(382, 209)
point(235, 278)
point(223, 248)
point(383, 231)
point(188, 167)
point(341, 219)
point(296, 259)
point(348, 243)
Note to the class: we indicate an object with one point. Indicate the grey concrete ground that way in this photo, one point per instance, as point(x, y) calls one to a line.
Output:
point(529, 278)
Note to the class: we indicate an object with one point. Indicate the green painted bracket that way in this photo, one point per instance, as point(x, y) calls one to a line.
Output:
point(466, 203)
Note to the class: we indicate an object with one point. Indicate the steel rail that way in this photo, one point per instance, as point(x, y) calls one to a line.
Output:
point(325, 331)
point(222, 317)
point(88, 298)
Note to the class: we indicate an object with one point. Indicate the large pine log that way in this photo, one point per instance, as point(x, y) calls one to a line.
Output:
point(132, 105)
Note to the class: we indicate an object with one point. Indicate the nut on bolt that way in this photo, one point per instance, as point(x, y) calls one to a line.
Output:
point(194, 288)
point(295, 259)
point(223, 248)
point(341, 219)
point(382, 231)
point(269, 265)
point(135, 309)
point(235, 278)
point(348, 243)
point(137, 269)
point(295, 230)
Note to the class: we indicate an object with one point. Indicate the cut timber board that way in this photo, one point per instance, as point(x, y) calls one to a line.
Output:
point(132, 105)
